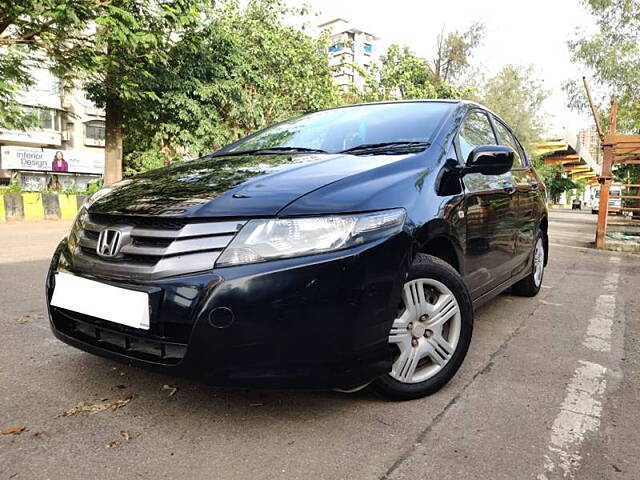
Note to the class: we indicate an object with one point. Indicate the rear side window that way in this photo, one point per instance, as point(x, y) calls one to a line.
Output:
point(475, 131)
point(507, 138)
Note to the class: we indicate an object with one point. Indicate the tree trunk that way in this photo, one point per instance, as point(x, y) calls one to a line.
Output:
point(113, 142)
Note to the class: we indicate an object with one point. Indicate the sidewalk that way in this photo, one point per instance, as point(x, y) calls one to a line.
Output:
point(20, 242)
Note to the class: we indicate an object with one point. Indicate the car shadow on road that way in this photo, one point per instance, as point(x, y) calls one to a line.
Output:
point(169, 394)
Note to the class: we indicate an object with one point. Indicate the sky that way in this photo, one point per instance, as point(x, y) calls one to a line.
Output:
point(516, 32)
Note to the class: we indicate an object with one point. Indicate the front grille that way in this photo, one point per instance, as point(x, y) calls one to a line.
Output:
point(148, 222)
point(120, 339)
point(123, 259)
point(151, 247)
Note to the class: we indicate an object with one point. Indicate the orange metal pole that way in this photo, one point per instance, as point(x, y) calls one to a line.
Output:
point(605, 179)
point(605, 183)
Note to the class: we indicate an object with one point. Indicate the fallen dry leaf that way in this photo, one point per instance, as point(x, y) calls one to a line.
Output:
point(13, 430)
point(125, 435)
point(171, 388)
point(101, 406)
point(30, 316)
point(113, 444)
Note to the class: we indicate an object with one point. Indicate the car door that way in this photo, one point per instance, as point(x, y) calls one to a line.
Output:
point(489, 208)
point(526, 185)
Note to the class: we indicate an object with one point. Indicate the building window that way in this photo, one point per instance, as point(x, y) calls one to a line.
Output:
point(94, 133)
point(368, 48)
point(46, 118)
point(336, 47)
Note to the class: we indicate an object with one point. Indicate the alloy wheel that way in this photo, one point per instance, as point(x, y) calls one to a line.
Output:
point(426, 330)
point(538, 262)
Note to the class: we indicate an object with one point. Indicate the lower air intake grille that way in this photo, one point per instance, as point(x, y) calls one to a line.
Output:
point(93, 332)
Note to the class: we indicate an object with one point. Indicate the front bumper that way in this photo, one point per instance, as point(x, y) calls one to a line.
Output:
point(316, 322)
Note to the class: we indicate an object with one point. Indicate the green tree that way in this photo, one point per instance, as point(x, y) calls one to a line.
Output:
point(613, 55)
point(555, 181)
point(400, 75)
point(37, 33)
point(454, 52)
point(521, 109)
point(241, 70)
point(108, 44)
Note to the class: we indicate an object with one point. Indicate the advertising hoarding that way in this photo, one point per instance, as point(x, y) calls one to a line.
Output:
point(51, 160)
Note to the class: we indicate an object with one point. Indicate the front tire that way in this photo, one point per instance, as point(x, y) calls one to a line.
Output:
point(431, 332)
point(530, 285)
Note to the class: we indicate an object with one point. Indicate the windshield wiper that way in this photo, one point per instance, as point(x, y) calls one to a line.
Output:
point(386, 147)
point(270, 150)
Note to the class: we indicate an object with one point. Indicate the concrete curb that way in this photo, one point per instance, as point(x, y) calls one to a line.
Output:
point(33, 206)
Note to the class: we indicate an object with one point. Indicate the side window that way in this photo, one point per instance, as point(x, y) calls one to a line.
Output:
point(507, 138)
point(475, 131)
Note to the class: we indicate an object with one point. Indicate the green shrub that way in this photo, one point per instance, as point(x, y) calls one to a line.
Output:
point(14, 187)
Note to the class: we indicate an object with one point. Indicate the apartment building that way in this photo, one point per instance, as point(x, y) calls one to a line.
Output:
point(65, 151)
point(349, 46)
point(589, 139)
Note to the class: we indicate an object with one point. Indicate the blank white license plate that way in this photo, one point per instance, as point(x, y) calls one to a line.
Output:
point(118, 305)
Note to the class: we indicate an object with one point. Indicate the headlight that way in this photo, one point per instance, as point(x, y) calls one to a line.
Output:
point(270, 239)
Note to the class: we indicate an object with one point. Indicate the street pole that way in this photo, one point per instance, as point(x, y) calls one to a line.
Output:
point(606, 177)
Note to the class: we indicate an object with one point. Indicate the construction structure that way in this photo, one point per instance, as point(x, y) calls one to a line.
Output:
point(617, 150)
point(575, 156)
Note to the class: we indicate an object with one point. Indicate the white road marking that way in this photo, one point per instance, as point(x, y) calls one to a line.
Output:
point(544, 302)
point(582, 406)
point(561, 245)
point(598, 336)
point(579, 414)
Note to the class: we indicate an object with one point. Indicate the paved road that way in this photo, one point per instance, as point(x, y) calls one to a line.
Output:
point(549, 390)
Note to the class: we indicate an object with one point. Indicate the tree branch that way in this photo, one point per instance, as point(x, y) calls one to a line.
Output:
point(15, 41)
point(4, 24)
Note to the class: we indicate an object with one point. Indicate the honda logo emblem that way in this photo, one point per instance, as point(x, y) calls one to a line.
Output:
point(109, 243)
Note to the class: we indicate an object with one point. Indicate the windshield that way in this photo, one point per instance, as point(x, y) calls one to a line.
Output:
point(345, 128)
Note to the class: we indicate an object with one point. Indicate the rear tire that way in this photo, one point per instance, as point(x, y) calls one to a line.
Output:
point(530, 285)
point(432, 331)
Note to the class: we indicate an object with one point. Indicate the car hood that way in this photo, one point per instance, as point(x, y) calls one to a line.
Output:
point(242, 185)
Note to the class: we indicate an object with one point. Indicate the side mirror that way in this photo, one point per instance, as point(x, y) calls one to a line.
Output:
point(489, 160)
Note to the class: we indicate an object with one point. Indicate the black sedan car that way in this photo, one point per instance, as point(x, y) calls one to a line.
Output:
point(340, 249)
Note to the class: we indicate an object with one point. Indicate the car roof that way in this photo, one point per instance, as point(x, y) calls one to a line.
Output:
point(460, 102)
point(417, 100)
